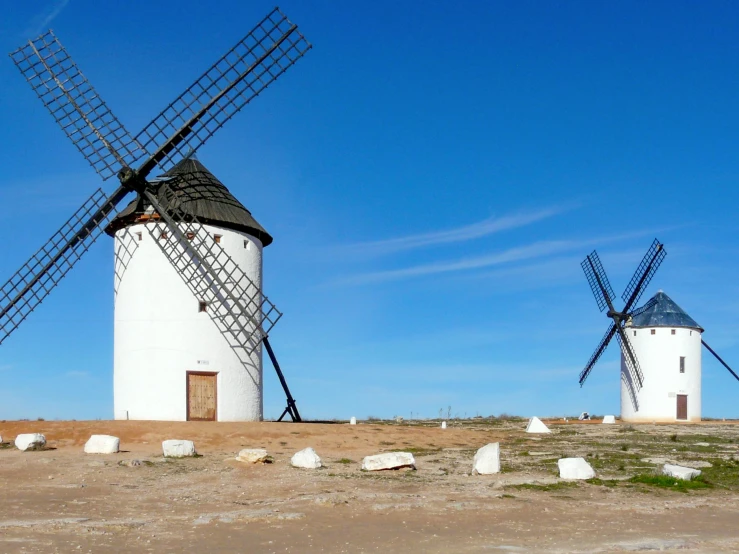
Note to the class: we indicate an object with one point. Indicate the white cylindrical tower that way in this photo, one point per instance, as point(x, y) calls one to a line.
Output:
point(172, 360)
point(667, 344)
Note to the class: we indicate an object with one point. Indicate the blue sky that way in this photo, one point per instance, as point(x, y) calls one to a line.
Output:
point(433, 173)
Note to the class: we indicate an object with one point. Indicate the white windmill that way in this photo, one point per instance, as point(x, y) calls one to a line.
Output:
point(660, 346)
point(190, 316)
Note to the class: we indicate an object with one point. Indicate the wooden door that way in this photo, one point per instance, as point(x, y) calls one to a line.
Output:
point(202, 396)
point(682, 406)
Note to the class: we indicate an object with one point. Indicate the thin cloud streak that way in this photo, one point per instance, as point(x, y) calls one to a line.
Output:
point(532, 251)
point(473, 231)
point(41, 22)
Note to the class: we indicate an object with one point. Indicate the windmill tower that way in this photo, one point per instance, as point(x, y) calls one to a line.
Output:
point(190, 314)
point(667, 343)
point(660, 346)
point(197, 374)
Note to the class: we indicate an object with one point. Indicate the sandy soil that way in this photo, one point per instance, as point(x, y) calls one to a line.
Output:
point(62, 500)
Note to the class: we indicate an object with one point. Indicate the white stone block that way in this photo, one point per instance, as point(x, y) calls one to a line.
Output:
point(102, 444)
point(177, 448)
point(680, 472)
point(353, 421)
point(306, 458)
point(253, 455)
point(388, 460)
point(443, 424)
point(30, 441)
point(537, 426)
point(487, 460)
point(609, 419)
point(575, 468)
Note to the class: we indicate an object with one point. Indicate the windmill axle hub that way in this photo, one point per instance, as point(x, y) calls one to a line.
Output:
point(131, 180)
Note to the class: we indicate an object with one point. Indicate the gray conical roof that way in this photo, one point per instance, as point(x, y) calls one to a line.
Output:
point(664, 313)
point(199, 193)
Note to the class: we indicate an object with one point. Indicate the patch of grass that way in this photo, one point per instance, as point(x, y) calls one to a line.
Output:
point(724, 473)
point(507, 496)
point(283, 443)
point(624, 447)
point(602, 482)
point(386, 443)
point(673, 437)
point(562, 485)
point(627, 429)
point(4, 445)
point(344, 461)
point(670, 483)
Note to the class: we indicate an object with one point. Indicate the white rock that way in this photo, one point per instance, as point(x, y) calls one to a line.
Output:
point(306, 458)
point(537, 426)
point(487, 459)
point(353, 421)
point(1, 440)
point(388, 460)
point(609, 419)
point(102, 444)
point(30, 441)
point(443, 424)
point(177, 448)
point(680, 472)
point(253, 455)
point(575, 468)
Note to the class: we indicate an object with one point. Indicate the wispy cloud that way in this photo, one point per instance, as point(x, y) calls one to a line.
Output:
point(464, 233)
point(40, 22)
point(532, 251)
point(78, 374)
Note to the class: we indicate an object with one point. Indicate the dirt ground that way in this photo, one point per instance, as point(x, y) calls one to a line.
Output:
point(62, 500)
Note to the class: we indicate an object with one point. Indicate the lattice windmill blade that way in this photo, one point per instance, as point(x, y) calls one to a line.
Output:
point(643, 274)
point(254, 63)
point(649, 305)
point(76, 106)
point(209, 272)
point(630, 359)
point(33, 282)
point(598, 353)
point(598, 280)
point(628, 383)
point(712, 351)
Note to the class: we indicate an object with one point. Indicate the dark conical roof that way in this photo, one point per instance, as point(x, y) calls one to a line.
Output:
point(201, 194)
point(664, 313)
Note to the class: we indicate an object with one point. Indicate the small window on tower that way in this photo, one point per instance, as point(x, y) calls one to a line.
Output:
point(139, 236)
point(654, 331)
point(217, 238)
point(673, 331)
point(202, 306)
point(247, 245)
point(190, 235)
point(682, 364)
point(634, 333)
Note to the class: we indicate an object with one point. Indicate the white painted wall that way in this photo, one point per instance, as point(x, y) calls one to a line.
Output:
point(659, 358)
point(160, 334)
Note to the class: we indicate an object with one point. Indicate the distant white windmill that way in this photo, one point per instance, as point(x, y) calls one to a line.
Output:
point(660, 346)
